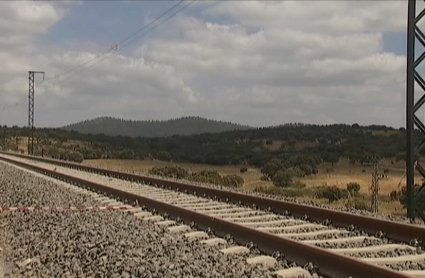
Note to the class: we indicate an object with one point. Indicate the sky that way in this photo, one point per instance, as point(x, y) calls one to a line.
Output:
point(250, 62)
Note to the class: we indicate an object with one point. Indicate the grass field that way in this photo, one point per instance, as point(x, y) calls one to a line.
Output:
point(342, 173)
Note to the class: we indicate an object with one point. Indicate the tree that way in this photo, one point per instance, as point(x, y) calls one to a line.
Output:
point(332, 193)
point(126, 154)
point(163, 156)
point(271, 168)
point(307, 169)
point(331, 157)
point(283, 178)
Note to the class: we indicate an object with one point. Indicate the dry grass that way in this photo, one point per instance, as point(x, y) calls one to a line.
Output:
point(343, 174)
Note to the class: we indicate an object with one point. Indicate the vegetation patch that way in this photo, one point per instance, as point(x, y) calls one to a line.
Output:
point(204, 176)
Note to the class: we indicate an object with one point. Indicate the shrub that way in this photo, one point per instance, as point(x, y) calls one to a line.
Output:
point(395, 195)
point(164, 156)
point(283, 178)
point(53, 152)
point(353, 187)
point(124, 154)
point(233, 181)
point(271, 168)
point(296, 172)
point(284, 191)
point(64, 155)
point(75, 157)
point(307, 169)
point(403, 197)
point(169, 172)
point(207, 176)
point(298, 185)
point(243, 170)
point(361, 205)
point(269, 142)
point(332, 193)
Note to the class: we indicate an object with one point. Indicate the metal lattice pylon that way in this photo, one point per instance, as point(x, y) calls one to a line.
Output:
point(374, 189)
point(414, 36)
point(31, 111)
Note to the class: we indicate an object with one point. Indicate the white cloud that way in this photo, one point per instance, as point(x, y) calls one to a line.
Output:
point(313, 62)
point(318, 16)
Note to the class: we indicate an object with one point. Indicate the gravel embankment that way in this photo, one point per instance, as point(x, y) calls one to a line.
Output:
point(96, 243)
point(22, 188)
point(407, 266)
point(109, 244)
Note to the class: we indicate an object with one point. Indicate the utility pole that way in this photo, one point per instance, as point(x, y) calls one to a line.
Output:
point(374, 188)
point(31, 111)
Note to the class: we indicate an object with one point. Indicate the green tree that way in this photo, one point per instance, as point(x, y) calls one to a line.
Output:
point(331, 157)
point(283, 178)
point(271, 168)
point(332, 193)
point(307, 169)
point(164, 156)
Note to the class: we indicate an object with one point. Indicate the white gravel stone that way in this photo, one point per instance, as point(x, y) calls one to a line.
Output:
point(94, 244)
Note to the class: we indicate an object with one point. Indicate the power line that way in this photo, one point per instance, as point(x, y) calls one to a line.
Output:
point(125, 45)
point(132, 35)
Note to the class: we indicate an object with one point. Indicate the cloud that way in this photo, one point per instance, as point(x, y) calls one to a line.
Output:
point(276, 62)
point(318, 16)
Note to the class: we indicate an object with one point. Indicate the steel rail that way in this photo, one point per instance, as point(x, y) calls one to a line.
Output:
point(393, 230)
point(329, 264)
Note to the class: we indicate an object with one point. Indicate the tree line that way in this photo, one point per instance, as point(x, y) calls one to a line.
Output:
point(239, 147)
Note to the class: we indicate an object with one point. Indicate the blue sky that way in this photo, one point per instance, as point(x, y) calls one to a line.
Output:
point(259, 63)
point(108, 22)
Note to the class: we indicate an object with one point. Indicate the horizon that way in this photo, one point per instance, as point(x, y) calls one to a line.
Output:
point(193, 116)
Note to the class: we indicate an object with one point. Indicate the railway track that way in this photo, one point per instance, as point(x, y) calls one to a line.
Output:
point(330, 250)
point(88, 241)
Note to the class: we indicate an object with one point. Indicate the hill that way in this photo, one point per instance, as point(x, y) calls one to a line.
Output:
point(181, 126)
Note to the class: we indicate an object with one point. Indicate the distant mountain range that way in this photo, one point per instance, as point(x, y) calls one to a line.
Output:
point(181, 126)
